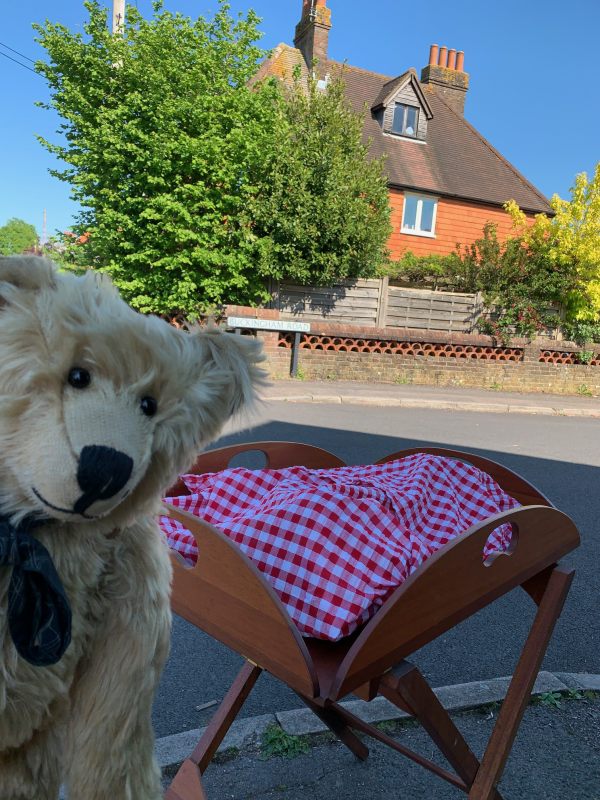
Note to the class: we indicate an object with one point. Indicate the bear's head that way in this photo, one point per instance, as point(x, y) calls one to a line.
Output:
point(102, 407)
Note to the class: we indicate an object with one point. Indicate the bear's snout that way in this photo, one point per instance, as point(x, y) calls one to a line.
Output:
point(102, 472)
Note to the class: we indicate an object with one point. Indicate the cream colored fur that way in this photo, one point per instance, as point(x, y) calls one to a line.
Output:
point(86, 721)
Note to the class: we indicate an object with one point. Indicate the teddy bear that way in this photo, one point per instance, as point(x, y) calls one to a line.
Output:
point(101, 408)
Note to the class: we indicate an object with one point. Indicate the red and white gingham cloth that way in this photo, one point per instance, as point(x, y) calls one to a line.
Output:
point(335, 543)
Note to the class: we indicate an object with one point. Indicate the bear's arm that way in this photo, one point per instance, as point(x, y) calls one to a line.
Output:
point(111, 742)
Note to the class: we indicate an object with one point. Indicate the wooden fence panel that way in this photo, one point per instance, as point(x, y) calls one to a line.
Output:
point(355, 303)
point(374, 302)
point(429, 310)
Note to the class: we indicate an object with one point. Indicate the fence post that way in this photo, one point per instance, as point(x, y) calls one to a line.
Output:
point(562, 315)
point(382, 302)
point(274, 290)
point(477, 311)
point(295, 352)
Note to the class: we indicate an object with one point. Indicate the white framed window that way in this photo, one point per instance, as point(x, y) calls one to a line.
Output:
point(418, 215)
point(405, 120)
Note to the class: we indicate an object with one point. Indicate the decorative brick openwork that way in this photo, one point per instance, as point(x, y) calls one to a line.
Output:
point(566, 357)
point(341, 344)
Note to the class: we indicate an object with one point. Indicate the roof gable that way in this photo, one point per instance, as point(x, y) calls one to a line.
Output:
point(402, 85)
point(398, 98)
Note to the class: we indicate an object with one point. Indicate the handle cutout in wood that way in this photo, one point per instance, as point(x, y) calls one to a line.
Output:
point(490, 559)
point(250, 459)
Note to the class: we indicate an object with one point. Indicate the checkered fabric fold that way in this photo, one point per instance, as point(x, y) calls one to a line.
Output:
point(335, 543)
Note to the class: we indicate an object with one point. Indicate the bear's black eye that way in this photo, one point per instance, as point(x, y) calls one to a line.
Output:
point(79, 378)
point(149, 406)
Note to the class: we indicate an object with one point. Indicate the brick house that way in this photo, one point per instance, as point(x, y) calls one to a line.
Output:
point(445, 180)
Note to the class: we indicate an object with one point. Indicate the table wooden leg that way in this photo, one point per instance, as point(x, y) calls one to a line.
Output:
point(187, 784)
point(409, 689)
point(338, 725)
point(521, 685)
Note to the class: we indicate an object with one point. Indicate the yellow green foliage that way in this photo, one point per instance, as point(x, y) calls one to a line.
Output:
point(570, 239)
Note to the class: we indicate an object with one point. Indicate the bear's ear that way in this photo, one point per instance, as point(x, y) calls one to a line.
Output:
point(232, 361)
point(30, 273)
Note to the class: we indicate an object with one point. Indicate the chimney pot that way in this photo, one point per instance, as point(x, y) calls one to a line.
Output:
point(445, 74)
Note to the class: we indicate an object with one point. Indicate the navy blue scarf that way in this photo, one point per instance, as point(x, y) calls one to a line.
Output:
point(39, 615)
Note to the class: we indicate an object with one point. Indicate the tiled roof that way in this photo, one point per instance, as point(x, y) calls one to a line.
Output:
point(455, 161)
point(281, 64)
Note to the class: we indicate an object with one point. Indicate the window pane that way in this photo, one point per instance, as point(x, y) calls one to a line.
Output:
point(398, 123)
point(411, 121)
point(427, 215)
point(409, 219)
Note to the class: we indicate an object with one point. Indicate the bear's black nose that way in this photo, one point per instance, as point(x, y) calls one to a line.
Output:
point(102, 472)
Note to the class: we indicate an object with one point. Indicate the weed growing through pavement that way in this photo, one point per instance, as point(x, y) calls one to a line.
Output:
point(386, 726)
point(590, 694)
point(392, 726)
point(551, 699)
point(276, 742)
point(224, 756)
point(556, 699)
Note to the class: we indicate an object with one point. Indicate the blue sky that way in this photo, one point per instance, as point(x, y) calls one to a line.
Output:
point(533, 68)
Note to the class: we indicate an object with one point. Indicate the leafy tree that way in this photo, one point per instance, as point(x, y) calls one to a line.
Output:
point(524, 283)
point(17, 236)
point(196, 186)
point(570, 240)
point(323, 211)
point(163, 142)
point(521, 283)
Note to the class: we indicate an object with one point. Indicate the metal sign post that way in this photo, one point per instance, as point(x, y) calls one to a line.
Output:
point(284, 326)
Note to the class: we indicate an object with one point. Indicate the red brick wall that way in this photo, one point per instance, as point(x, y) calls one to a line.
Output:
point(457, 221)
point(524, 376)
point(544, 365)
point(535, 372)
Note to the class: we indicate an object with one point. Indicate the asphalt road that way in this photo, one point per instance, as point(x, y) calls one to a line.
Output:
point(555, 757)
point(559, 455)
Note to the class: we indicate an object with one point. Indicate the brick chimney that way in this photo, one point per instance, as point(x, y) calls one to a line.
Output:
point(445, 72)
point(312, 32)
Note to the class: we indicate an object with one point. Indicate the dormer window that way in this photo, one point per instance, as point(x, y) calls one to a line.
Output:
point(406, 119)
point(402, 109)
